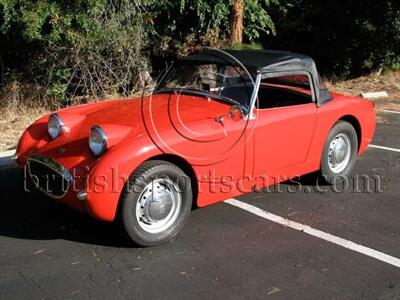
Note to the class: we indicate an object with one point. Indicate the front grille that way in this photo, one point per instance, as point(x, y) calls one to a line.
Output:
point(48, 176)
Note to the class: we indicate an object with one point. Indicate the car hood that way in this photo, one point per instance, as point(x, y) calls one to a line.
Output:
point(191, 126)
point(160, 107)
point(185, 115)
point(161, 110)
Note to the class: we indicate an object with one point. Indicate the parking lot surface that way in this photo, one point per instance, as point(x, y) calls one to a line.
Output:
point(51, 252)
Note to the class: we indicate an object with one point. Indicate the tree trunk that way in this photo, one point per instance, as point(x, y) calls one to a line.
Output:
point(237, 22)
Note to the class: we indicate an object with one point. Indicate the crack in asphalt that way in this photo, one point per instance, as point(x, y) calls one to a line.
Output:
point(35, 283)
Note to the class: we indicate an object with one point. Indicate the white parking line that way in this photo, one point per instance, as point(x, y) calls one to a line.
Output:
point(394, 261)
point(384, 148)
point(389, 111)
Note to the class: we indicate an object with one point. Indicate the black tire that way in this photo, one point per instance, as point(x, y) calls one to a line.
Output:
point(138, 184)
point(341, 128)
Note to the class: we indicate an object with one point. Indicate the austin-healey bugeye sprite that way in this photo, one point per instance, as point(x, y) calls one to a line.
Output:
point(217, 124)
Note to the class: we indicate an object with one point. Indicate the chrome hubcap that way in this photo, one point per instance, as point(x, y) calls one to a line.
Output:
point(158, 206)
point(339, 153)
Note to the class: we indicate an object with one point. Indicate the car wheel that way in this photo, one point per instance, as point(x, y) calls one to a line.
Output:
point(156, 203)
point(339, 153)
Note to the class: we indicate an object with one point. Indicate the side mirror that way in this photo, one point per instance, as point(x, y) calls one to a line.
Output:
point(236, 113)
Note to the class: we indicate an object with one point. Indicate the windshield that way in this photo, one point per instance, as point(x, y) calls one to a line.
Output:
point(220, 82)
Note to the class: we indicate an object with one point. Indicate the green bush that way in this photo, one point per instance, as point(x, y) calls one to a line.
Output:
point(80, 47)
point(98, 47)
point(345, 37)
point(200, 21)
point(76, 48)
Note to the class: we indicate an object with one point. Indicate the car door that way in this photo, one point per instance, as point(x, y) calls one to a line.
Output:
point(285, 119)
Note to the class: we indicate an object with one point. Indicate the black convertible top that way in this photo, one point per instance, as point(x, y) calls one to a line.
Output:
point(268, 61)
point(261, 60)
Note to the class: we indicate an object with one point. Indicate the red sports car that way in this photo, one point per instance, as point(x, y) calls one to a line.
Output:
point(218, 124)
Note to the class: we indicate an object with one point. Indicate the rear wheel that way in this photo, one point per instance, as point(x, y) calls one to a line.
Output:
point(340, 152)
point(156, 203)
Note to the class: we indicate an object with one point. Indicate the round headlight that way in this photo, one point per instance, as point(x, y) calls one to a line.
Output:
point(97, 140)
point(54, 126)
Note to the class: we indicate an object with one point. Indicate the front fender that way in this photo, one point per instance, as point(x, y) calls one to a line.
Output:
point(110, 173)
point(32, 138)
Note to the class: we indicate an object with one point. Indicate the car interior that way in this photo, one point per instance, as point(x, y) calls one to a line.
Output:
point(284, 91)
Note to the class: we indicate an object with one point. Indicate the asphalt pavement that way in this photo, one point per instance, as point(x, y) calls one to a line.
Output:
point(51, 252)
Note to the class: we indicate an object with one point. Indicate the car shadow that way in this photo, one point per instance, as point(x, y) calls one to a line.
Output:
point(311, 179)
point(30, 215)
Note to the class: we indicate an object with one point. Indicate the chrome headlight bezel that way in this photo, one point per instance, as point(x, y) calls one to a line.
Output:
point(54, 126)
point(97, 140)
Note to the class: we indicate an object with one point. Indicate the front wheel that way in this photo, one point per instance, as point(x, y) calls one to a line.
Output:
point(340, 152)
point(156, 203)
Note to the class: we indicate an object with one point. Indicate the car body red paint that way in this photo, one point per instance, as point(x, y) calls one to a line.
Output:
point(227, 155)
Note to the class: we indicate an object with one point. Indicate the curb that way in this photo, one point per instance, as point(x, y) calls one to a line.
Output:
point(7, 158)
point(375, 95)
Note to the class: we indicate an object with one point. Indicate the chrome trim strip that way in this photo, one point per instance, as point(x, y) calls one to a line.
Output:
point(56, 167)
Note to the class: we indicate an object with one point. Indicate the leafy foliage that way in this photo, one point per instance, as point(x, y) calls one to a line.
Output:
point(99, 47)
point(80, 47)
point(177, 21)
point(345, 38)
point(73, 48)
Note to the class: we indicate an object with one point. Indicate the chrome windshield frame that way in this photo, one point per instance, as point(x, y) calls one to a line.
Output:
point(250, 115)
